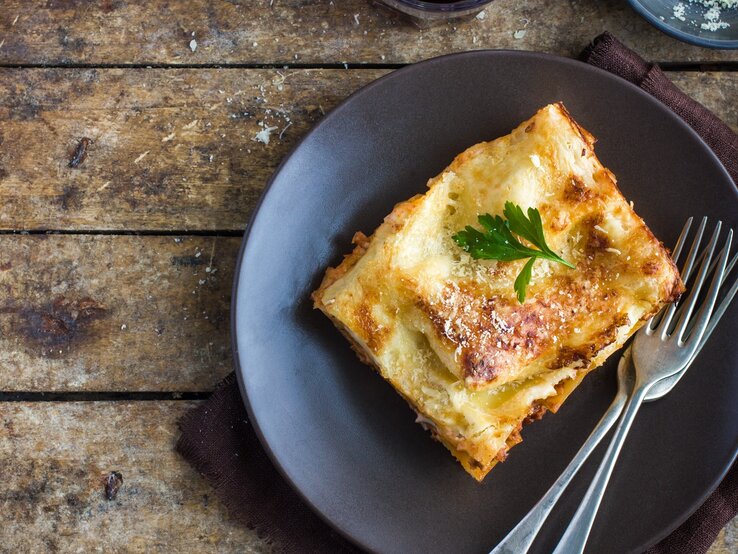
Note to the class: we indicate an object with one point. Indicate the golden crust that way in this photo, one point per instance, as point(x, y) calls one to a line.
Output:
point(447, 331)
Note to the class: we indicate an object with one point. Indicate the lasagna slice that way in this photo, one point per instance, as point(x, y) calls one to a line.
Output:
point(447, 330)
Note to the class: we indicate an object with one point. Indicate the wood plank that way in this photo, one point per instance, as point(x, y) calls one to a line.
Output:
point(114, 313)
point(175, 149)
point(55, 457)
point(727, 540)
point(295, 31)
point(716, 90)
point(170, 149)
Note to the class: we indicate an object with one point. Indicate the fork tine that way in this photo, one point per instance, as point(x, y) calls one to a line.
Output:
point(675, 257)
point(713, 263)
point(728, 268)
point(731, 264)
point(686, 275)
point(722, 308)
point(682, 239)
point(687, 268)
point(682, 310)
point(725, 302)
point(709, 302)
point(665, 322)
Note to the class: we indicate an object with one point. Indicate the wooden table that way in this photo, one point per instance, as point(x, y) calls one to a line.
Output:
point(115, 275)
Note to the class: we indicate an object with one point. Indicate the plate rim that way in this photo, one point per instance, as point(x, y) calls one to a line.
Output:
point(717, 44)
point(234, 310)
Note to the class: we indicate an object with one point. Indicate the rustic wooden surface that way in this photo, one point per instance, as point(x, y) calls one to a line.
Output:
point(54, 460)
point(52, 487)
point(174, 149)
point(318, 32)
point(123, 313)
point(124, 329)
point(171, 148)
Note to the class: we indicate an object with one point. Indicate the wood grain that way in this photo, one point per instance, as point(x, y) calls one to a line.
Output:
point(169, 149)
point(716, 90)
point(54, 457)
point(295, 31)
point(114, 313)
point(175, 148)
point(131, 148)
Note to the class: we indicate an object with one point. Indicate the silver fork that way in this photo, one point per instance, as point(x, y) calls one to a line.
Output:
point(661, 349)
point(520, 538)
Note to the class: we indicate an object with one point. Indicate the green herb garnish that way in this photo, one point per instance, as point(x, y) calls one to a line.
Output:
point(498, 242)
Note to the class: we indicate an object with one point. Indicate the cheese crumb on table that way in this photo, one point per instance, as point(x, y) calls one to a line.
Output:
point(263, 135)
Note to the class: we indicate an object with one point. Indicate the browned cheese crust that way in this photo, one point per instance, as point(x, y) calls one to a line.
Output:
point(448, 332)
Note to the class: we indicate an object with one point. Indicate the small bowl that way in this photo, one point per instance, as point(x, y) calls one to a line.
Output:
point(422, 10)
point(688, 22)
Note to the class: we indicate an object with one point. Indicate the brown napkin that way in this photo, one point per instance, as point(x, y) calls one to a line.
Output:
point(608, 53)
point(220, 443)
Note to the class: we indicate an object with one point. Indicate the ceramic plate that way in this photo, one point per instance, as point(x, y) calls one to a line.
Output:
point(341, 435)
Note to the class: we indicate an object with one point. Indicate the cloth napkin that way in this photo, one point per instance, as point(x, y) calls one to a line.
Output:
point(219, 442)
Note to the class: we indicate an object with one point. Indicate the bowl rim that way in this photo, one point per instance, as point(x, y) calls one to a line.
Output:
point(664, 27)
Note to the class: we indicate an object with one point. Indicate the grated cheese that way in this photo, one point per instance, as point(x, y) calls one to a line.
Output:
point(601, 230)
point(679, 11)
point(711, 13)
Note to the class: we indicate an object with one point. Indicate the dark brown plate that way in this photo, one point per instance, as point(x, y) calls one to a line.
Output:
point(345, 440)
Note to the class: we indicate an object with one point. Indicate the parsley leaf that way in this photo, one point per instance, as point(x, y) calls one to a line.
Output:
point(531, 229)
point(498, 242)
point(521, 282)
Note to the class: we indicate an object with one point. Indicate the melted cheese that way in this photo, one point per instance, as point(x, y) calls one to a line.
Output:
point(448, 332)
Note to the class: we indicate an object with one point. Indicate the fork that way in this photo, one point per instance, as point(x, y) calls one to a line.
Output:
point(521, 537)
point(661, 349)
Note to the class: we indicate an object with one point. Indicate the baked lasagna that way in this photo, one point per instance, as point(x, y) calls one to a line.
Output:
point(447, 330)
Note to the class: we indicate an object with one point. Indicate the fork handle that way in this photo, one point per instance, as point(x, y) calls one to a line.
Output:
point(575, 537)
point(520, 539)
